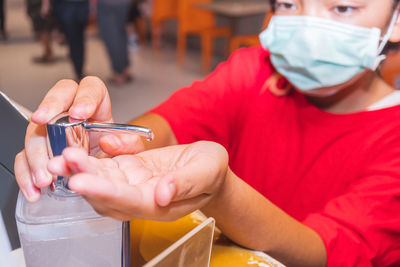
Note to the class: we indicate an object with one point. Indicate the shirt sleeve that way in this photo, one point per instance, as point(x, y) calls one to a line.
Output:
point(207, 109)
point(362, 226)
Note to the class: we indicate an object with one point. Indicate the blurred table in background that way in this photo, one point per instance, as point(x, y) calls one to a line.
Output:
point(234, 10)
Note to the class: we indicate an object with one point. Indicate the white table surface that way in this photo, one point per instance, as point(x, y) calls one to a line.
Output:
point(236, 9)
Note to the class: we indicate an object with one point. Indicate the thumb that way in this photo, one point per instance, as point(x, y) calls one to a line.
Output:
point(120, 144)
point(165, 190)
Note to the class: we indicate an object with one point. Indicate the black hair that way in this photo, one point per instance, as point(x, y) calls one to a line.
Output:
point(272, 4)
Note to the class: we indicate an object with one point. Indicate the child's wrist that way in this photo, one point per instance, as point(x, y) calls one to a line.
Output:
point(221, 195)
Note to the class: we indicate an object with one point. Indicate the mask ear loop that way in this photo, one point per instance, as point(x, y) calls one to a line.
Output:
point(385, 38)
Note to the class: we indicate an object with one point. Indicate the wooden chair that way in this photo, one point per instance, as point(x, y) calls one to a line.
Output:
point(243, 40)
point(390, 69)
point(248, 40)
point(162, 10)
point(193, 20)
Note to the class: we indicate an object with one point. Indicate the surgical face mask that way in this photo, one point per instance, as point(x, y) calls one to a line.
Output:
point(313, 52)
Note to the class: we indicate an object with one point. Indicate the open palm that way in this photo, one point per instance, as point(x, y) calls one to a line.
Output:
point(162, 184)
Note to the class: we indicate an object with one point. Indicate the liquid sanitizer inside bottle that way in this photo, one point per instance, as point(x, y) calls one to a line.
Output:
point(62, 229)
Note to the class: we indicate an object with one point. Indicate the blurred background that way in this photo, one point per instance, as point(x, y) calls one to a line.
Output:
point(143, 49)
point(168, 44)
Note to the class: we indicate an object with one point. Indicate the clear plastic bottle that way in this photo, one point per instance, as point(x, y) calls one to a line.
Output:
point(62, 229)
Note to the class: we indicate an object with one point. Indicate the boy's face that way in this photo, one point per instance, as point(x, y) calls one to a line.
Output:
point(365, 13)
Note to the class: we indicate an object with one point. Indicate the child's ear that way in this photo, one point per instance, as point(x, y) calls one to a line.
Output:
point(395, 36)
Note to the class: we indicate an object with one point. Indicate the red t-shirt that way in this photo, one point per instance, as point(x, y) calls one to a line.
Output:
point(338, 174)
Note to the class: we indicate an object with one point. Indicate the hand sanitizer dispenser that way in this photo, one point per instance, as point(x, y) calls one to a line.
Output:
point(62, 229)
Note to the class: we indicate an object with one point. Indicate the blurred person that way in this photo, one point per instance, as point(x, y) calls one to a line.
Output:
point(112, 16)
point(136, 26)
point(72, 16)
point(3, 35)
point(292, 146)
point(43, 22)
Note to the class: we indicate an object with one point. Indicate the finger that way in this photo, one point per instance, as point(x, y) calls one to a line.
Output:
point(119, 144)
point(92, 185)
point(77, 160)
point(58, 166)
point(24, 179)
point(113, 191)
point(37, 155)
point(91, 101)
point(56, 101)
point(122, 201)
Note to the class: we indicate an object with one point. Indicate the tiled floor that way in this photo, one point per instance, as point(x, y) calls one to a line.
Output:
point(156, 73)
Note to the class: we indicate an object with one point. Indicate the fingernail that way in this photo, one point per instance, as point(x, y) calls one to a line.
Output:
point(30, 194)
point(78, 110)
point(26, 194)
point(34, 179)
point(73, 166)
point(40, 112)
point(113, 140)
point(41, 178)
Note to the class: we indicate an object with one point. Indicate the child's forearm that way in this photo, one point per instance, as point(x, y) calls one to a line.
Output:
point(249, 219)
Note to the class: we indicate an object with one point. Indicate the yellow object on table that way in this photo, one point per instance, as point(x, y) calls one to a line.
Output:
point(150, 238)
